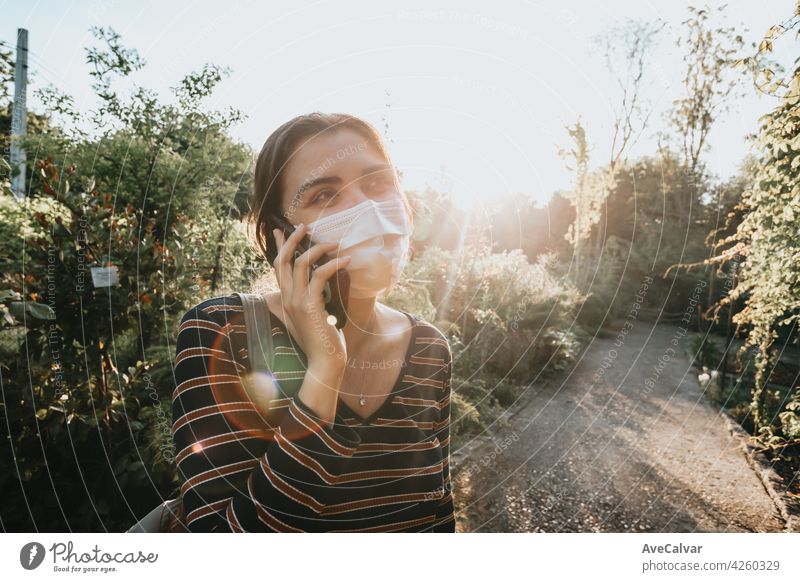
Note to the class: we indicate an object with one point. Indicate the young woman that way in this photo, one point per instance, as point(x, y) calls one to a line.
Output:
point(351, 431)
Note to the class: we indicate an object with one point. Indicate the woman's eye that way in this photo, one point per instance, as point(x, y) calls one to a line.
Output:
point(324, 195)
point(379, 183)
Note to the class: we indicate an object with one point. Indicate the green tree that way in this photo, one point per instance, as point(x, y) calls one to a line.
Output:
point(587, 196)
point(153, 190)
point(769, 278)
point(653, 217)
point(711, 53)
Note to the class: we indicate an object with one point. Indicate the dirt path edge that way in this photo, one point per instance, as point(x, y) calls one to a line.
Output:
point(772, 482)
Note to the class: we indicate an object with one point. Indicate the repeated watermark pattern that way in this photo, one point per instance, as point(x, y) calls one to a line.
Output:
point(670, 353)
point(477, 465)
point(627, 326)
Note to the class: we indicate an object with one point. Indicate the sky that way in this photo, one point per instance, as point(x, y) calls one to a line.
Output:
point(473, 97)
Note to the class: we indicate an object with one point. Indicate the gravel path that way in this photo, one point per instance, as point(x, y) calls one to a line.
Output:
point(632, 446)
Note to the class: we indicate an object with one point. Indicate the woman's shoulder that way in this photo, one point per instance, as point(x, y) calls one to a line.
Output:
point(217, 308)
point(428, 334)
point(423, 323)
point(433, 347)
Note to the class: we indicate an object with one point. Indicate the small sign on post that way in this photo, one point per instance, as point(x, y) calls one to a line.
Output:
point(104, 276)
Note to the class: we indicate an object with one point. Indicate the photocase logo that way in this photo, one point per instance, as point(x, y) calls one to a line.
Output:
point(31, 555)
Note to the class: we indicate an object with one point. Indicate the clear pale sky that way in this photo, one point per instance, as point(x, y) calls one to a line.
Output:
point(478, 91)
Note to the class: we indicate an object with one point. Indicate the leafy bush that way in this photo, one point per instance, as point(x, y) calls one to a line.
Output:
point(705, 350)
point(767, 244)
point(87, 371)
point(507, 320)
point(510, 315)
point(77, 402)
point(466, 419)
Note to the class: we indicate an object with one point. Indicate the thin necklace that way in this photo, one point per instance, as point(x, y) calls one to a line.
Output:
point(361, 400)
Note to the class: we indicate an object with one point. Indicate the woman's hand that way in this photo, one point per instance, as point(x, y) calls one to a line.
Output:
point(307, 319)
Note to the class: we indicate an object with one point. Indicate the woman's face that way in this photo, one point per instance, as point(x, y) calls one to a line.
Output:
point(332, 172)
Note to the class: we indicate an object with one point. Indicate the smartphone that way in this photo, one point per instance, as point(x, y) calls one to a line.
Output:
point(337, 288)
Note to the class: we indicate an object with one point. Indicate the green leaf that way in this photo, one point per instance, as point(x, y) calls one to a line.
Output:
point(5, 295)
point(36, 310)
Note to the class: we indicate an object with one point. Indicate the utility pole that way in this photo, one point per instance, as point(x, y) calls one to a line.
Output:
point(19, 113)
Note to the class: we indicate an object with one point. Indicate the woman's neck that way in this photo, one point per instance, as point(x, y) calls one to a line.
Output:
point(364, 319)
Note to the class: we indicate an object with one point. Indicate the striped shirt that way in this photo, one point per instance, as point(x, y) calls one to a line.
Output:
point(284, 470)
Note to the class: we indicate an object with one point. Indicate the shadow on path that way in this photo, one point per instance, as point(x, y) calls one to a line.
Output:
point(636, 447)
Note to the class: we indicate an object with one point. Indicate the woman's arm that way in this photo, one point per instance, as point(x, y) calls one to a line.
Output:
point(238, 475)
point(445, 513)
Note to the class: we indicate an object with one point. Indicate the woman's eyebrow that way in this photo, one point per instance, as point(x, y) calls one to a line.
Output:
point(376, 168)
point(315, 181)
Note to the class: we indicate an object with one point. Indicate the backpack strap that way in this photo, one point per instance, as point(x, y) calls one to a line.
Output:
point(151, 523)
point(259, 332)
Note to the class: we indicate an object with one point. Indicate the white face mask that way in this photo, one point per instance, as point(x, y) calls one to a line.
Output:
point(375, 235)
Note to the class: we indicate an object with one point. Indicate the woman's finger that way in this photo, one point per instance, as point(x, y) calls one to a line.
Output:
point(283, 262)
point(303, 264)
point(325, 272)
point(286, 246)
point(283, 272)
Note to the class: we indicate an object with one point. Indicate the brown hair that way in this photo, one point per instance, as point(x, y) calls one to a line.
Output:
point(274, 157)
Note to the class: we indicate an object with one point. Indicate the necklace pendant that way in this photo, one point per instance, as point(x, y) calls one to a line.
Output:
point(362, 401)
